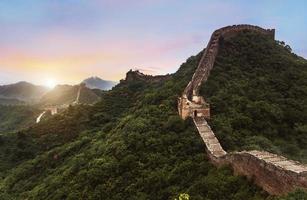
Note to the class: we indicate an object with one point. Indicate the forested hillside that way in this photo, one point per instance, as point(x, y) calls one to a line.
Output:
point(21, 92)
point(67, 94)
point(258, 96)
point(133, 145)
point(17, 117)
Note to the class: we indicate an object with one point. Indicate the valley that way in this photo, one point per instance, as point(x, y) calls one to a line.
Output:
point(153, 100)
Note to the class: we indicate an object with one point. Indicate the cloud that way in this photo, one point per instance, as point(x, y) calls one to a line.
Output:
point(91, 37)
point(148, 70)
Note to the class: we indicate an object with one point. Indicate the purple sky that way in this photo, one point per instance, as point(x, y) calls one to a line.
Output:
point(67, 41)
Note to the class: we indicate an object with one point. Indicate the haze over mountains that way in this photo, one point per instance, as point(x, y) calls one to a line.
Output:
point(133, 140)
point(67, 94)
point(22, 92)
point(98, 83)
point(27, 93)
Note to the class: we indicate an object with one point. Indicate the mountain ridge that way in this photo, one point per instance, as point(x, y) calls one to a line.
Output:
point(69, 94)
point(133, 145)
point(95, 82)
point(22, 91)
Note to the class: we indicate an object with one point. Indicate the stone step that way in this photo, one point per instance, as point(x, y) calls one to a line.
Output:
point(212, 140)
point(207, 132)
point(296, 168)
point(214, 147)
point(219, 153)
point(275, 159)
point(201, 124)
point(204, 129)
point(264, 157)
point(279, 161)
point(207, 136)
point(285, 163)
point(262, 154)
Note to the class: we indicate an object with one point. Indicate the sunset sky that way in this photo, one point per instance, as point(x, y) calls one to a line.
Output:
point(66, 41)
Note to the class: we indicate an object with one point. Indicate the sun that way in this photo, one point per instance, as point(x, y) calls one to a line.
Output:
point(50, 83)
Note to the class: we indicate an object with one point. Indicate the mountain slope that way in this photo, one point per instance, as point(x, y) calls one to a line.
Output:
point(11, 101)
point(135, 147)
point(257, 92)
point(22, 91)
point(130, 145)
point(98, 83)
point(67, 94)
point(13, 118)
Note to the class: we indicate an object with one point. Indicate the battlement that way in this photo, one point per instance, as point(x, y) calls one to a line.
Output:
point(196, 108)
point(208, 58)
point(275, 174)
point(187, 104)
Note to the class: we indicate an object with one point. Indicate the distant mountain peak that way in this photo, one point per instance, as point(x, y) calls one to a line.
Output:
point(96, 82)
point(22, 91)
point(68, 94)
point(24, 82)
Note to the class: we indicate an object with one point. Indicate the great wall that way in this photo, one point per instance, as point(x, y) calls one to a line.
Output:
point(275, 174)
point(53, 109)
point(133, 75)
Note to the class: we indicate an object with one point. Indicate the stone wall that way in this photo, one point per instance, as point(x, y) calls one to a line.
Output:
point(275, 174)
point(137, 75)
point(208, 58)
point(272, 172)
point(187, 108)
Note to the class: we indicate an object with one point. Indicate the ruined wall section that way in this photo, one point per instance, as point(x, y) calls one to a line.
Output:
point(137, 75)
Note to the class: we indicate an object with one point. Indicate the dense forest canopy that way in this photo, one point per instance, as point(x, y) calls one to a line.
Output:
point(17, 117)
point(258, 96)
point(133, 145)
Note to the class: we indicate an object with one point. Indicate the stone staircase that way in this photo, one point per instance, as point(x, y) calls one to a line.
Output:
point(274, 173)
point(213, 146)
point(207, 61)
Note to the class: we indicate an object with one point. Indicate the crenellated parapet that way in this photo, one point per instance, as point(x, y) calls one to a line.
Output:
point(275, 174)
